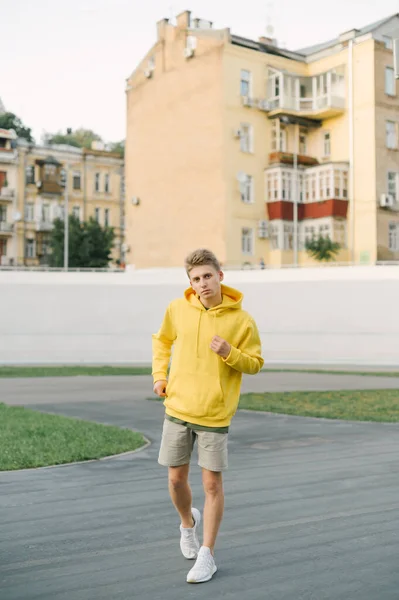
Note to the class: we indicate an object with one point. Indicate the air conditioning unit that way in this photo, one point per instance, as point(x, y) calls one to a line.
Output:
point(188, 52)
point(237, 133)
point(148, 73)
point(247, 101)
point(264, 105)
point(6, 191)
point(263, 230)
point(386, 201)
point(135, 201)
point(38, 184)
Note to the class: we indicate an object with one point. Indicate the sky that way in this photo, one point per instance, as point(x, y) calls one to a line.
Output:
point(65, 63)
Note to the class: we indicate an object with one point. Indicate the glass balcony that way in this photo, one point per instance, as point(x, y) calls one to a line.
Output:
point(317, 97)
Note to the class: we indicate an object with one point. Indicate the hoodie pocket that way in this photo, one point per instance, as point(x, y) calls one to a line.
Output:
point(195, 395)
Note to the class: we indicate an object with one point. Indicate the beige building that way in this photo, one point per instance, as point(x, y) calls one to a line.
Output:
point(33, 192)
point(251, 149)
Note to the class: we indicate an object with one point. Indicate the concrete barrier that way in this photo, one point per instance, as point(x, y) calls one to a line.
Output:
point(342, 315)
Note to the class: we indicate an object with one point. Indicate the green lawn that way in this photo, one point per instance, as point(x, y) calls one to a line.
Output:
point(72, 371)
point(367, 405)
point(33, 439)
point(337, 372)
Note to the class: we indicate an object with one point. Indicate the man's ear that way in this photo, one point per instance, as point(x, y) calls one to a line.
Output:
point(221, 275)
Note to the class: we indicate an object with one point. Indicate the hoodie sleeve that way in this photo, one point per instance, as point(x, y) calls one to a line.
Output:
point(162, 343)
point(247, 357)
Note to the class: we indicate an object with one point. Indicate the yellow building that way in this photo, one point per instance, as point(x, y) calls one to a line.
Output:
point(39, 181)
point(251, 149)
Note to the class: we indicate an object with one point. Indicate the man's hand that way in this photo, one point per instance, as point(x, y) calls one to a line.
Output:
point(160, 388)
point(220, 346)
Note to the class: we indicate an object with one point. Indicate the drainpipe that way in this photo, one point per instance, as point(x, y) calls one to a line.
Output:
point(351, 151)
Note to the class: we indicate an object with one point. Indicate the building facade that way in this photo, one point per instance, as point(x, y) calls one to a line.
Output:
point(251, 149)
point(40, 179)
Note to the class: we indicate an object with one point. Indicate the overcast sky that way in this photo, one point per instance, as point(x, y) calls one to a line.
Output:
point(64, 63)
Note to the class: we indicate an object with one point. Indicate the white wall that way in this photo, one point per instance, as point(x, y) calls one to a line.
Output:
point(341, 315)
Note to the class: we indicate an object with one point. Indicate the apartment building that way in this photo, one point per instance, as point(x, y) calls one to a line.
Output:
point(34, 181)
point(251, 149)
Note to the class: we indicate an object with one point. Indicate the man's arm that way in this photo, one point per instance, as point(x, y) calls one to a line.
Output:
point(247, 358)
point(162, 343)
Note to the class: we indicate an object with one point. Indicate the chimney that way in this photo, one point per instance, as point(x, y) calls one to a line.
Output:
point(161, 29)
point(267, 41)
point(183, 20)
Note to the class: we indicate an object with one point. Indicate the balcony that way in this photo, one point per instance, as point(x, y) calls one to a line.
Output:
point(287, 158)
point(322, 191)
point(6, 228)
point(318, 97)
point(7, 194)
point(44, 226)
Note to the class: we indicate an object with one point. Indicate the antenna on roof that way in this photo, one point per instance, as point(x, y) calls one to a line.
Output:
point(269, 20)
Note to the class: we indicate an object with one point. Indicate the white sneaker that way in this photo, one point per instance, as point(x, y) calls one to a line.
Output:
point(204, 568)
point(189, 542)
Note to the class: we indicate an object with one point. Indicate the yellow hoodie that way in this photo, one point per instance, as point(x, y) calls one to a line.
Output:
point(204, 388)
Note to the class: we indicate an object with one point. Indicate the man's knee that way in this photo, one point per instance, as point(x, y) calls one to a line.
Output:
point(178, 477)
point(213, 482)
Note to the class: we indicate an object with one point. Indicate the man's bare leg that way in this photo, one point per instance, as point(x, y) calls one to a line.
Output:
point(180, 493)
point(214, 506)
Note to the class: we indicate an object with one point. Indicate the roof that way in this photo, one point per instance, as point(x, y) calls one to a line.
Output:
point(363, 31)
point(266, 48)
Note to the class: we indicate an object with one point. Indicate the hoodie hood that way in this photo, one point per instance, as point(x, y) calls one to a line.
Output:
point(231, 299)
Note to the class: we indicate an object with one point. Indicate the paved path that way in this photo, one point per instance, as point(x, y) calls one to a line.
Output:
point(311, 507)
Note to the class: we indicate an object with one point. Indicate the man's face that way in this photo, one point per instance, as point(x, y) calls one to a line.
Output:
point(206, 282)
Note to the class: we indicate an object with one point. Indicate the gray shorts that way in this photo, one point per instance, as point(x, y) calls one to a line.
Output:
point(178, 442)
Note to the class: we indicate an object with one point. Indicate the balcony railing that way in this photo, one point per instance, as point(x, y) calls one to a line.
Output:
point(6, 227)
point(7, 193)
point(317, 96)
point(44, 226)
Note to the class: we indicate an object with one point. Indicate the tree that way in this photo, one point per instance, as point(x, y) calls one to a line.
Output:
point(9, 120)
point(322, 248)
point(89, 246)
point(81, 138)
point(118, 147)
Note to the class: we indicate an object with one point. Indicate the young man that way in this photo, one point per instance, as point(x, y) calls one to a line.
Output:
point(215, 341)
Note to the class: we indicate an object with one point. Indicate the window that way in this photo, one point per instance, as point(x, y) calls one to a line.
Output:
point(391, 134)
point(303, 141)
point(97, 215)
point(97, 182)
point(247, 240)
point(246, 138)
point(247, 190)
point(63, 178)
point(327, 144)
point(3, 247)
point(274, 236)
point(30, 174)
point(288, 236)
point(324, 184)
point(46, 213)
point(388, 42)
point(3, 214)
point(393, 237)
point(76, 212)
point(340, 233)
point(392, 185)
point(286, 184)
point(325, 231)
point(106, 183)
point(245, 83)
point(76, 184)
point(390, 86)
point(106, 217)
point(29, 211)
point(49, 172)
point(30, 249)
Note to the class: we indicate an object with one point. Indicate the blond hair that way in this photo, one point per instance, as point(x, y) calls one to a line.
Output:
point(199, 258)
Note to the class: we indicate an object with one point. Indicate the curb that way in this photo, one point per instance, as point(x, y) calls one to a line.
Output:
point(83, 462)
